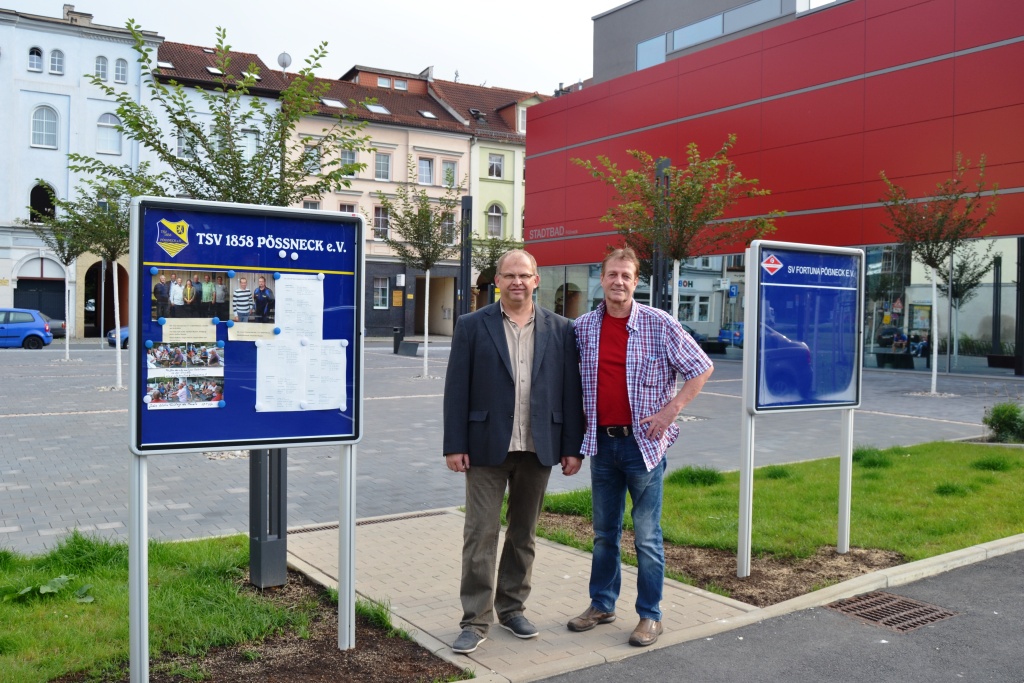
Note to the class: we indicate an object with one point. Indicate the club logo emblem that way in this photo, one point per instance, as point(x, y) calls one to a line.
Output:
point(172, 237)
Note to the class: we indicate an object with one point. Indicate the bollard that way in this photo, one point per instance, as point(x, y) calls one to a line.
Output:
point(399, 336)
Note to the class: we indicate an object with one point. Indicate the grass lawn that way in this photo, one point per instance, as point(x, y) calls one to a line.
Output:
point(920, 501)
point(195, 602)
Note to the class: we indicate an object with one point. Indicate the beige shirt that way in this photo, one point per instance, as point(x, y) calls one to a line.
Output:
point(520, 351)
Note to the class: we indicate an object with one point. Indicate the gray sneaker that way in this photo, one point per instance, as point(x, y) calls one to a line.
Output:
point(520, 627)
point(467, 642)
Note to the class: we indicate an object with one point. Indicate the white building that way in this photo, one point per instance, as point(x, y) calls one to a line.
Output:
point(52, 109)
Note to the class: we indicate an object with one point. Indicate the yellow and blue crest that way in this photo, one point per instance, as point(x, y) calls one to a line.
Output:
point(172, 237)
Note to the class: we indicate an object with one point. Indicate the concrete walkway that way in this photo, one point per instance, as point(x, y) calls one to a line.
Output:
point(413, 562)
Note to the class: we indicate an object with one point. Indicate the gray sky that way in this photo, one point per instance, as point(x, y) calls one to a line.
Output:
point(527, 45)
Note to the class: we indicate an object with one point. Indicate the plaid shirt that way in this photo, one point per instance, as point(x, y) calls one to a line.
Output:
point(658, 349)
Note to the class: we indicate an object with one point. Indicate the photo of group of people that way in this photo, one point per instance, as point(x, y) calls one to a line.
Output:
point(246, 298)
point(184, 375)
point(184, 390)
point(186, 355)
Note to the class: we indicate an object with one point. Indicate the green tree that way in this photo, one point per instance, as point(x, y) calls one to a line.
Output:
point(679, 209)
point(66, 235)
point(425, 232)
point(248, 150)
point(936, 227)
point(486, 252)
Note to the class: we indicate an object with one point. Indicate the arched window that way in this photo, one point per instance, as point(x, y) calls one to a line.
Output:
point(121, 71)
point(495, 221)
point(101, 68)
point(35, 59)
point(108, 137)
point(44, 128)
point(57, 62)
point(41, 203)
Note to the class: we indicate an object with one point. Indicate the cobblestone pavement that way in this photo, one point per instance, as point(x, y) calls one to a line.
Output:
point(64, 457)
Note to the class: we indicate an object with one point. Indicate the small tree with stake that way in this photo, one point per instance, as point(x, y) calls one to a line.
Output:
point(934, 228)
point(679, 209)
point(65, 233)
point(426, 232)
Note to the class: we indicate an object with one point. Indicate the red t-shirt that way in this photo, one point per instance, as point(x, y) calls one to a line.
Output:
point(612, 394)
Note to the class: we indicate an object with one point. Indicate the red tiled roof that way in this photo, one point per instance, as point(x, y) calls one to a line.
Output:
point(191, 62)
point(489, 101)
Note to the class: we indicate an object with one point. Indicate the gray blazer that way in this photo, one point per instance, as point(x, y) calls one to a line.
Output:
point(479, 389)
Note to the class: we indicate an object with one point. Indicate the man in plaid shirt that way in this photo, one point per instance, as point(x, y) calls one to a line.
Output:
point(630, 355)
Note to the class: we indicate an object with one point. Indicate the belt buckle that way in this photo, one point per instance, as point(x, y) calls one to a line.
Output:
point(611, 431)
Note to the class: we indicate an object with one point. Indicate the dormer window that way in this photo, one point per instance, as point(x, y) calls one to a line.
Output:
point(401, 84)
point(521, 111)
point(383, 82)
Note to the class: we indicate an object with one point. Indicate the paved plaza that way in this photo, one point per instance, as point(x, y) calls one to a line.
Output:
point(64, 457)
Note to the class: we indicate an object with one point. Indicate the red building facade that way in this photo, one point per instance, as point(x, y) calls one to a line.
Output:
point(820, 105)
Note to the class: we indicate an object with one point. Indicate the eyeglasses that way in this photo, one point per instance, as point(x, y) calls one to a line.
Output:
point(512, 277)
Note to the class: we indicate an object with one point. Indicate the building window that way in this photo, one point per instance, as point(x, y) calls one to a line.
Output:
point(311, 160)
point(522, 120)
point(808, 5)
point(35, 59)
point(697, 33)
point(186, 146)
point(41, 203)
point(448, 228)
point(426, 171)
point(380, 292)
point(495, 166)
point(121, 71)
point(347, 208)
point(348, 159)
point(380, 223)
point(650, 52)
point(44, 128)
point(378, 109)
point(449, 173)
point(383, 82)
point(108, 137)
point(57, 62)
point(250, 143)
point(313, 206)
point(495, 221)
point(703, 308)
point(101, 68)
point(382, 167)
point(401, 84)
point(686, 308)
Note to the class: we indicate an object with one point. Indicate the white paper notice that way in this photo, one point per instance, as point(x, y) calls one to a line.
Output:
point(325, 375)
point(280, 375)
point(299, 306)
point(300, 374)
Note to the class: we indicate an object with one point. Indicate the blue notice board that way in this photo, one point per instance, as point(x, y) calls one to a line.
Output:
point(806, 323)
point(245, 326)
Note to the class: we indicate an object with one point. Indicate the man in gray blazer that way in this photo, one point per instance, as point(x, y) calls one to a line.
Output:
point(513, 409)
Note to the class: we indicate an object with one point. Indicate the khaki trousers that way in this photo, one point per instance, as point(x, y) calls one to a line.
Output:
point(482, 596)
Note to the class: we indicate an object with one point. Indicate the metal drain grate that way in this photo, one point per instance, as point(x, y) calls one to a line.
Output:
point(893, 612)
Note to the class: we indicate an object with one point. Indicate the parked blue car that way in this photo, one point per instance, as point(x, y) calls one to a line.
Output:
point(731, 335)
point(122, 334)
point(24, 327)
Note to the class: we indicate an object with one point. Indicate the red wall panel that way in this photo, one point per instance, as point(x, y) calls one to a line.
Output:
point(814, 115)
point(996, 133)
point(547, 172)
point(814, 60)
point(910, 150)
point(895, 37)
point(979, 22)
point(989, 79)
point(822, 163)
point(910, 95)
point(719, 85)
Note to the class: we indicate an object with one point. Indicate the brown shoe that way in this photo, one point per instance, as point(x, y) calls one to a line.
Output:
point(589, 619)
point(645, 633)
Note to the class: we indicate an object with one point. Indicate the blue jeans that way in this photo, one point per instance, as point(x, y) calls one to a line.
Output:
point(617, 468)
